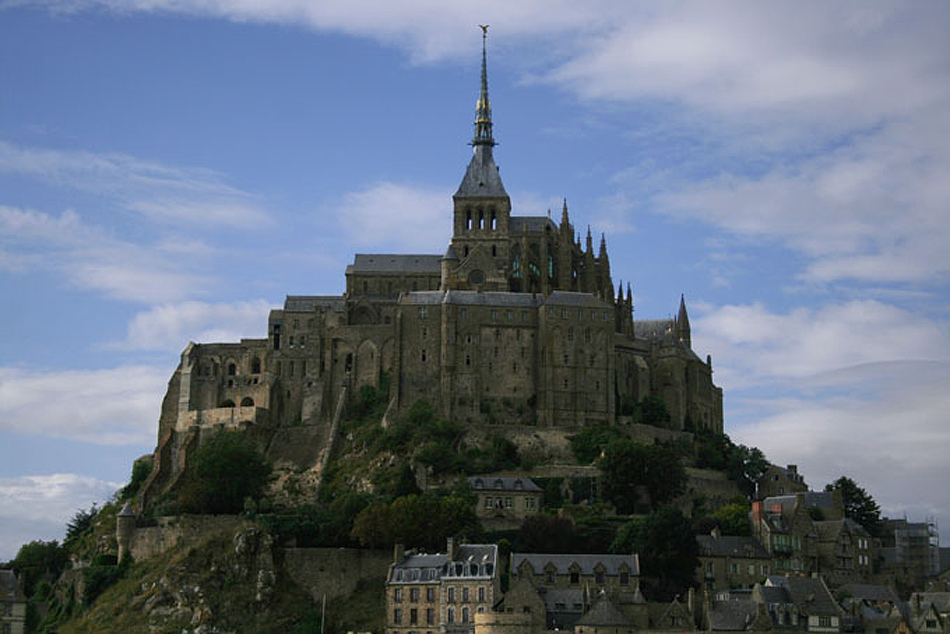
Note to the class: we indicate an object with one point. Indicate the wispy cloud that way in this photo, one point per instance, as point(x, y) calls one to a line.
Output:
point(39, 506)
point(162, 193)
point(91, 258)
point(117, 406)
point(170, 326)
point(399, 216)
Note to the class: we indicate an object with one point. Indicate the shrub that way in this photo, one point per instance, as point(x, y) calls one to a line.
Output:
point(222, 473)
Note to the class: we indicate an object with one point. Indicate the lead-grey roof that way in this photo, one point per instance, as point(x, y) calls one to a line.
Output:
point(809, 595)
point(731, 546)
point(604, 614)
point(309, 303)
point(471, 298)
point(395, 263)
point(870, 592)
point(587, 563)
point(573, 298)
point(732, 616)
point(482, 177)
point(531, 224)
point(502, 483)
point(650, 328)
point(569, 597)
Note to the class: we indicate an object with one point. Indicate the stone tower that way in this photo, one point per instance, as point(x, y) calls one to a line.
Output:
point(482, 208)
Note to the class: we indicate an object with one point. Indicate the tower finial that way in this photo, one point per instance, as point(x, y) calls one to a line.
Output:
point(483, 135)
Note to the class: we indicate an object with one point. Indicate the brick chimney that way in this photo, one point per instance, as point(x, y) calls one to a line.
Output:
point(399, 553)
point(451, 548)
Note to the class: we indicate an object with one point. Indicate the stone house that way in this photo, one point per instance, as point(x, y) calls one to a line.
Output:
point(778, 480)
point(12, 604)
point(604, 618)
point(727, 561)
point(566, 583)
point(846, 552)
point(505, 502)
point(515, 321)
point(783, 526)
point(799, 604)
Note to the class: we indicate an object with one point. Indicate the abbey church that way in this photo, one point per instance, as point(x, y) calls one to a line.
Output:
point(515, 323)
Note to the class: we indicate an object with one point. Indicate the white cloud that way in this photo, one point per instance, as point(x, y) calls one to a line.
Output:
point(759, 346)
point(117, 406)
point(91, 258)
point(171, 326)
point(169, 195)
point(401, 217)
point(39, 506)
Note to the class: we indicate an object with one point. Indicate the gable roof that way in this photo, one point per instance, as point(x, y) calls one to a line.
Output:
point(604, 613)
point(870, 592)
point(731, 546)
point(562, 563)
point(809, 595)
point(530, 224)
point(396, 263)
point(732, 616)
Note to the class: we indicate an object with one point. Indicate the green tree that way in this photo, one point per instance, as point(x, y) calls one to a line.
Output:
point(547, 534)
point(668, 549)
point(652, 411)
point(80, 523)
point(222, 473)
point(858, 504)
point(627, 465)
point(733, 518)
point(38, 559)
point(588, 444)
point(423, 520)
point(141, 469)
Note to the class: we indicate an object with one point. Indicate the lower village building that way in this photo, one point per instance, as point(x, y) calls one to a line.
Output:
point(426, 592)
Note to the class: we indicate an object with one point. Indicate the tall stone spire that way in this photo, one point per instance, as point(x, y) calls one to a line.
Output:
point(482, 178)
point(483, 134)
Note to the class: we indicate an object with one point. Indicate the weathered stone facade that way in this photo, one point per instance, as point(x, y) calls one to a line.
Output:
point(517, 323)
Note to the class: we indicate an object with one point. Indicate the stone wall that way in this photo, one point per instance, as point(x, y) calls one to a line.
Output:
point(334, 572)
point(151, 541)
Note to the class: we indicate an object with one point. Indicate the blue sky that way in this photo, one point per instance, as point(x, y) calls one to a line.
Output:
point(170, 169)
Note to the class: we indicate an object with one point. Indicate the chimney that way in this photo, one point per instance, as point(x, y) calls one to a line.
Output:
point(756, 512)
point(399, 553)
point(793, 468)
point(451, 548)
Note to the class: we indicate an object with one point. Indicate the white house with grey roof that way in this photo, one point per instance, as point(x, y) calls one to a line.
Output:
point(426, 592)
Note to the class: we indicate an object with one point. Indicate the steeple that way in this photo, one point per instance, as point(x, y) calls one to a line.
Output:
point(482, 178)
point(483, 106)
point(682, 323)
point(603, 247)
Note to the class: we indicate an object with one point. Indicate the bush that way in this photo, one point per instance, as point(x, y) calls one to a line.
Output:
point(591, 441)
point(222, 473)
point(141, 469)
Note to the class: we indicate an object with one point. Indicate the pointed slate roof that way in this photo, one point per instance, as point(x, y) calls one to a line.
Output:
point(604, 613)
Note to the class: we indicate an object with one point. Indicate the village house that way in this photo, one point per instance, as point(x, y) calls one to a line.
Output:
point(505, 502)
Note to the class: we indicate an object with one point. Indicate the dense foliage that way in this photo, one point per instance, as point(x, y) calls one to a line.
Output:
point(223, 472)
point(39, 559)
point(668, 550)
point(627, 466)
point(417, 521)
point(858, 504)
point(649, 411)
point(590, 442)
point(743, 464)
point(141, 469)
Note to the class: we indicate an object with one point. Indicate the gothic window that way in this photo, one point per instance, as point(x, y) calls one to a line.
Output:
point(291, 341)
point(494, 222)
point(587, 335)
point(415, 286)
point(423, 355)
point(450, 616)
point(550, 267)
point(389, 287)
point(463, 313)
point(232, 369)
point(365, 286)
point(451, 595)
point(466, 250)
point(516, 266)
point(481, 219)
point(468, 360)
point(291, 369)
point(465, 614)
point(247, 402)
point(468, 221)
point(422, 312)
point(481, 595)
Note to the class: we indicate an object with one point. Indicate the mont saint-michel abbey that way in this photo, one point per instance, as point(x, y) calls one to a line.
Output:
point(515, 322)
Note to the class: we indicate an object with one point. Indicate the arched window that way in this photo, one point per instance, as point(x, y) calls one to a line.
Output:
point(232, 369)
point(481, 219)
point(464, 615)
point(494, 221)
point(255, 366)
point(451, 615)
point(468, 220)
point(247, 402)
